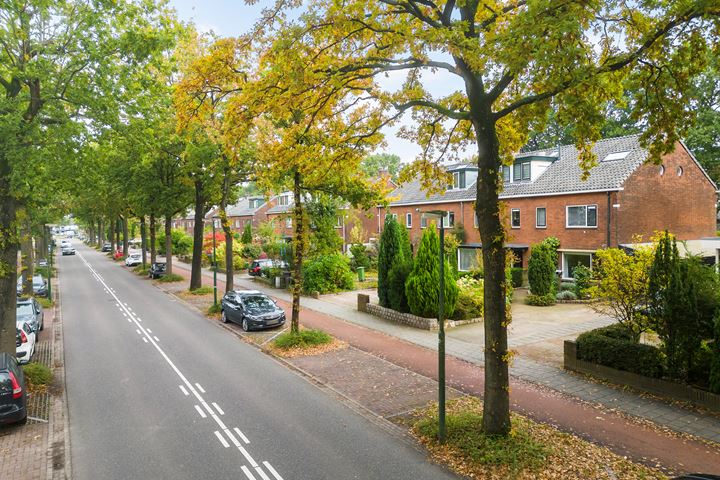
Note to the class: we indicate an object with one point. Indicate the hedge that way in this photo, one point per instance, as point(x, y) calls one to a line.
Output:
point(613, 347)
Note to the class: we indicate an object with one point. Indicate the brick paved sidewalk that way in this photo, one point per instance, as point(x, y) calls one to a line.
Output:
point(35, 451)
point(628, 437)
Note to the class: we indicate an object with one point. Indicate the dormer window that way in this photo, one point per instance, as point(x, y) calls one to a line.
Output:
point(616, 156)
point(458, 180)
point(283, 200)
point(521, 172)
point(506, 173)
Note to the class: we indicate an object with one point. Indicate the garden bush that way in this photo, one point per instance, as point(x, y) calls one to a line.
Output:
point(181, 242)
point(302, 339)
point(613, 347)
point(470, 302)
point(517, 277)
point(566, 295)
point(582, 276)
point(397, 276)
point(541, 270)
point(541, 300)
point(251, 251)
point(359, 256)
point(423, 284)
point(390, 248)
point(567, 286)
point(327, 274)
point(247, 236)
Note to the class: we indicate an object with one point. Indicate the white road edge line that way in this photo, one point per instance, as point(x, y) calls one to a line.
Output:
point(262, 474)
point(272, 470)
point(247, 455)
point(247, 473)
point(200, 411)
point(222, 439)
point(217, 407)
point(241, 435)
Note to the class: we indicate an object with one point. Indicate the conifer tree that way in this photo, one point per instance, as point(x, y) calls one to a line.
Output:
point(390, 248)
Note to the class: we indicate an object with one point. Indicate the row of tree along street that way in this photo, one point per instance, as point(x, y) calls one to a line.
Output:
point(114, 110)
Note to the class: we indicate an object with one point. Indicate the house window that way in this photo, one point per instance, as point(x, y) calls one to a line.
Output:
point(423, 221)
point(390, 215)
point(572, 260)
point(616, 156)
point(448, 220)
point(458, 179)
point(288, 223)
point(283, 200)
point(540, 217)
point(579, 216)
point(475, 220)
point(339, 222)
point(521, 171)
point(679, 171)
point(506, 173)
point(467, 258)
point(408, 220)
point(515, 218)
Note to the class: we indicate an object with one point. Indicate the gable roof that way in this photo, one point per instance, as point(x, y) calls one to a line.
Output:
point(242, 207)
point(563, 176)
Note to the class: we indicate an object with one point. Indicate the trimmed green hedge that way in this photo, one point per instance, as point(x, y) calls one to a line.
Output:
point(517, 277)
point(613, 347)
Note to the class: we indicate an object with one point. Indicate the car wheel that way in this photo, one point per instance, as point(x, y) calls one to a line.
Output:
point(23, 421)
point(245, 325)
point(223, 316)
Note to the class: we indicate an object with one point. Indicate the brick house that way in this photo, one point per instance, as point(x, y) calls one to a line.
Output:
point(544, 195)
point(250, 210)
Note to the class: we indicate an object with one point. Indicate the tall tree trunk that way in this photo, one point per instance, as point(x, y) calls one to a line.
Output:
point(153, 241)
point(126, 240)
point(40, 245)
point(111, 236)
point(196, 271)
point(496, 410)
point(26, 249)
point(299, 248)
point(8, 262)
point(118, 228)
point(101, 232)
point(229, 266)
point(143, 240)
point(168, 245)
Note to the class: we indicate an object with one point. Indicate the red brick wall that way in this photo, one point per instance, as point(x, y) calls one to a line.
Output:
point(684, 205)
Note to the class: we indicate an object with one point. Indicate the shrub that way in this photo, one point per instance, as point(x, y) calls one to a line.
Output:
point(204, 290)
point(541, 300)
point(567, 286)
point(181, 242)
point(714, 380)
point(359, 256)
point(397, 276)
point(44, 302)
point(541, 270)
point(302, 339)
point(390, 248)
point(246, 237)
point(516, 274)
point(614, 347)
point(566, 295)
point(251, 251)
point(582, 276)
point(37, 373)
point(470, 303)
point(327, 274)
point(213, 309)
point(423, 284)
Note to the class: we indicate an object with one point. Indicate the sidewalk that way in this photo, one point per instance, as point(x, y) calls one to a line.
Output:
point(607, 425)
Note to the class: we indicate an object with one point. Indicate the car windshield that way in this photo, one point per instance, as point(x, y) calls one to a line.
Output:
point(135, 255)
point(25, 309)
point(38, 281)
point(160, 266)
point(258, 304)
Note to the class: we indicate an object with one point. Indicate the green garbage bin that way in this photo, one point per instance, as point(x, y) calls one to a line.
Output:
point(361, 274)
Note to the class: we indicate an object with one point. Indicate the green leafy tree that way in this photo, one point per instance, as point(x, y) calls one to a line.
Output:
point(373, 165)
point(323, 214)
point(247, 236)
point(391, 247)
point(423, 284)
point(622, 287)
point(513, 62)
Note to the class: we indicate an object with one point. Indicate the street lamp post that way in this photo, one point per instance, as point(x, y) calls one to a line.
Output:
point(214, 262)
point(441, 328)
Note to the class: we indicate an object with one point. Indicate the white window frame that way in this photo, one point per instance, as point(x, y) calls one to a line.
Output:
point(565, 275)
point(423, 221)
point(536, 217)
point(448, 220)
point(408, 220)
point(339, 221)
point(567, 216)
point(513, 210)
point(288, 222)
point(475, 220)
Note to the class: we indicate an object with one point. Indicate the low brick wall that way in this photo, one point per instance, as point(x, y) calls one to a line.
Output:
point(409, 319)
point(675, 391)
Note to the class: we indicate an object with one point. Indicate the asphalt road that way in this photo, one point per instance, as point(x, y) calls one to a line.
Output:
point(156, 391)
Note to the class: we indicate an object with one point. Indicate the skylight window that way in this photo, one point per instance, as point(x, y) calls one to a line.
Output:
point(616, 156)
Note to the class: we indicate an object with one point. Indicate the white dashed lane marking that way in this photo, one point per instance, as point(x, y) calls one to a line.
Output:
point(200, 388)
point(182, 389)
point(200, 411)
point(217, 407)
point(222, 439)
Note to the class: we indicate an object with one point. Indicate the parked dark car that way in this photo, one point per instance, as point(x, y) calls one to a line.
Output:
point(13, 399)
point(29, 310)
point(106, 247)
point(251, 309)
point(40, 288)
point(698, 476)
point(157, 270)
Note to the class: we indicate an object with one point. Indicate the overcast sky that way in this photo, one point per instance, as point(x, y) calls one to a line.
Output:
point(233, 17)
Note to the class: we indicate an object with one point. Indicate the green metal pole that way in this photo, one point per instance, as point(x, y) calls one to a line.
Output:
point(441, 338)
point(51, 268)
point(214, 268)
